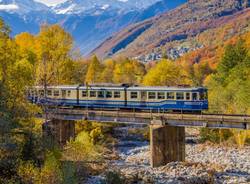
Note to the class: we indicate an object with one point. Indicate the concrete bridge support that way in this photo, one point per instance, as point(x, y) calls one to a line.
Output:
point(167, 144)
point(60, 130)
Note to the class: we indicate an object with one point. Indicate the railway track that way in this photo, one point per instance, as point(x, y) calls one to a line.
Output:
point(71, 109)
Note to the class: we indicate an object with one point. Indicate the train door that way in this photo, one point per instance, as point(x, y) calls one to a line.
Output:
point(64, 94)
point(143, 98)
point(63, 100)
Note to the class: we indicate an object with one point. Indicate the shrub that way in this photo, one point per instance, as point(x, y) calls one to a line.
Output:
point(69, 173)
point(241, 137)
point(96, 135)
point(51, 172)
point(81, 149)
point(215, 135)
point(28, 172)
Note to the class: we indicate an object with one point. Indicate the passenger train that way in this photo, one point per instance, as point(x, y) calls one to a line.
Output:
point(123, 96)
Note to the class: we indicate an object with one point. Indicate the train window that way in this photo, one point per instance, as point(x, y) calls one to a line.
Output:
point(41, 92)
point(64, 93)
point(100, 94)
point(151, 95)
point(161, 95)
point(49, 92)
point(56, 93)
point(133, 95)
point(109, 94)
point(203, 96)
point(206, 95)
point(69, 93)
point(32, 93)
point(117, 94)
point(92, 94)
point(170, 95)
point(194, 96)
point(179, 96)
point(188, 96)
point(84, 94)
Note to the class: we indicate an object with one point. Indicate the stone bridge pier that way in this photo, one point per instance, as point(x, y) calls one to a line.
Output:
point(167, 143)
point(61, 131)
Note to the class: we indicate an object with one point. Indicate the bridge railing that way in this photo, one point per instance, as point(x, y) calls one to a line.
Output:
point(133, 117)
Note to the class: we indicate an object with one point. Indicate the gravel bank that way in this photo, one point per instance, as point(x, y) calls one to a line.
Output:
point(204, 163)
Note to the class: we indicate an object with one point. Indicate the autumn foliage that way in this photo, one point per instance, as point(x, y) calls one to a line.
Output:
point(50, 58)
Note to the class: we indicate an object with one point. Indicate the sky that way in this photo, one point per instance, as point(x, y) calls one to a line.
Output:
point(50, 2)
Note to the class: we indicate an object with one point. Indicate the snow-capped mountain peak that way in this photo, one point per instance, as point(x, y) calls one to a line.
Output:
point(21, 6)
point(79, 6)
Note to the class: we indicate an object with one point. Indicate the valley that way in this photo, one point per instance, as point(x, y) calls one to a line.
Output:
point(89, 22)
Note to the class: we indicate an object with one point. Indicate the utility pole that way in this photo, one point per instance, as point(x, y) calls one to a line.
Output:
point(45, 85)
point(87, 89)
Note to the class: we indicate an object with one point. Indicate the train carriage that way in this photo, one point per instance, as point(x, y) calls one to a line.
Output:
point(168, 98)
point(102, 97)
point(123, 97)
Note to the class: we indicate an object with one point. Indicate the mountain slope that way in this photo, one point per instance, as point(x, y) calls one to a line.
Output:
point(80, 7)
point(91, 30)
point(178, 25)
point(89, 21)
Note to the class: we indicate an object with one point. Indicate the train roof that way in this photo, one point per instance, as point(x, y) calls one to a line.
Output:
point(60, 87)
point(165, 88)
point(120, 87)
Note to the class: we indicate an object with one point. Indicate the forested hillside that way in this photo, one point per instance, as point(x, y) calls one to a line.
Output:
point(90, 21)
point(26, 60)
point(184, 26)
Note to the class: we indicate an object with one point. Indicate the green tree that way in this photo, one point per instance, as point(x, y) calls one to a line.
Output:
point(230, 86)
point(51, 172)
point(233, 56)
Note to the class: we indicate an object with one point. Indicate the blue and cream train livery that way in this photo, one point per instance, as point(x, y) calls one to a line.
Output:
point(123, 97)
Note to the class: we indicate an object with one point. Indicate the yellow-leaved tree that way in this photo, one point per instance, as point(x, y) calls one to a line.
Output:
point(94, 71)
point(54, 49)
point(165, 73)
point(27, 48)
point(107, 74)
point(128, 71)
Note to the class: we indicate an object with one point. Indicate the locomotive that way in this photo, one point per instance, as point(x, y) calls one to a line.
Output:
point(110, 96)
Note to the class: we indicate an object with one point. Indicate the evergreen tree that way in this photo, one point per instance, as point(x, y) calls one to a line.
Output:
point(234, 55)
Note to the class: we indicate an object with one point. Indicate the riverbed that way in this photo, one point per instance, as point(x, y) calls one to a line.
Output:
point(205, 163)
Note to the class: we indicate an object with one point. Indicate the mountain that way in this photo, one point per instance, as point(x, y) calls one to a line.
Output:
point(91, 29)
point(22, 6)
point(176, 27)
point(89, 21)
point(79, 6)
point(25, 15)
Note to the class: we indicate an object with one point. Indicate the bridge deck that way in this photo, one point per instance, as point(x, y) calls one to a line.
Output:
point(183, 120)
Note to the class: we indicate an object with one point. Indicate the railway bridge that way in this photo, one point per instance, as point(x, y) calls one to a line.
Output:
point(167, 130)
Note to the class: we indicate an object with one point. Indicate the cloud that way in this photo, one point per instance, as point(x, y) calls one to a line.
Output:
point(8, 7)
point(51, 2)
